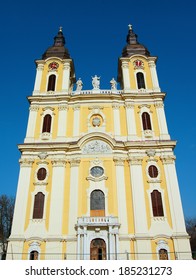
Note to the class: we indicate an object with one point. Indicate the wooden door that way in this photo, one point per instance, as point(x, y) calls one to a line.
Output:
point(98, 249)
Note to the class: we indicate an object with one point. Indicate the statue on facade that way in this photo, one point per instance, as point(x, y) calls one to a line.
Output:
point(113, 84)
point(96, 82)
point(79, 85)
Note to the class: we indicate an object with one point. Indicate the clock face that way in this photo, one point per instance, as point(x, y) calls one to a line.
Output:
point(97, 171)
point(53, 65)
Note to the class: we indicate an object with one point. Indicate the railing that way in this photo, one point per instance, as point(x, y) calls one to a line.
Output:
point(97, 91)
point(108, 220)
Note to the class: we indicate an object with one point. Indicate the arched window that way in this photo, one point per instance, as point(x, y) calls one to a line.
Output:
point(38, 208)
point(163, 254)
point(41, 174)
point(146, 121)
point(153, 171)
point(97, 203)
point(157, 206)
point(34, 255)
point(47, 123)
point(51, 82)
point(140, 80)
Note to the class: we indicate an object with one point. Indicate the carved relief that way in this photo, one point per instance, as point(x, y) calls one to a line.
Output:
point(96, 147)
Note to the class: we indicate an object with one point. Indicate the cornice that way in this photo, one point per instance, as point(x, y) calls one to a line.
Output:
point(76, 146)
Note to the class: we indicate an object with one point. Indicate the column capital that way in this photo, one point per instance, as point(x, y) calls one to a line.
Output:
point(119, 161)
point(159, 104)
point(151, 63)
point(135, 160)
point(115, 106)
point(76, 107)
point(66, 66)
point(34, 108)
point(125, 64)
point(129, 105)
point(168, 159)
point(59, 162)
point(74, 162)
point(26, 162)
point(63, 107)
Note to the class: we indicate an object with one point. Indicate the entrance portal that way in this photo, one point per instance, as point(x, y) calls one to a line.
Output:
point(98, 249)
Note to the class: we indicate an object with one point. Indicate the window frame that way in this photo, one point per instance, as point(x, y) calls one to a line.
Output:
point(38, 206)
point(157, 203)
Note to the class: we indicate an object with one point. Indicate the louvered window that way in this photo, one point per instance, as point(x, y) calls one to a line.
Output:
point(146, 121)
point(47, 123)
point(38, 208)
point(140, 80)
point(157, 206)
point(51, 83)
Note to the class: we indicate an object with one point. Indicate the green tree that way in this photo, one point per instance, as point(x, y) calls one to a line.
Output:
point(6, 216)
point(191, 229)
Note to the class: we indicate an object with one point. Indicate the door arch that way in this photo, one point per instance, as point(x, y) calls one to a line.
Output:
point(98, 249)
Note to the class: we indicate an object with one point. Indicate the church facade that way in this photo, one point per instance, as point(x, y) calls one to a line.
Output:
point(97, 169)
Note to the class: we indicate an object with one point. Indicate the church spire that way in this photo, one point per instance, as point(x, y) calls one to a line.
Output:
point(133, 46)
point(58, 49)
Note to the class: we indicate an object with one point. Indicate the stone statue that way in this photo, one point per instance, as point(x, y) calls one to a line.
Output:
point(96, 82)
point(79, 85)
point(113, 83)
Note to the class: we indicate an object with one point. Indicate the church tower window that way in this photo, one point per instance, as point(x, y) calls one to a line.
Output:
point(51, 83)
point(38, 208)
point(153, 171)
point(146, 121)
point(140, 80)
point(157, 206)
point(41, 174)
point(47, 123)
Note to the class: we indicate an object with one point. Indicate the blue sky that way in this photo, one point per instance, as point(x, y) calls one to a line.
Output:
point(95, 33)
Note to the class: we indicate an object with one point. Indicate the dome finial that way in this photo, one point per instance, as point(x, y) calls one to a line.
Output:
point(60, 29)
point(130, 27)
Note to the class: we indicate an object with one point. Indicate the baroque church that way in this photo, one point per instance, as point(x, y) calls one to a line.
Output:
point(97, 174)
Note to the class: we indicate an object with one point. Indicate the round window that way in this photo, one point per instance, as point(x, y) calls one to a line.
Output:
point(97, 171)
point(41, 174)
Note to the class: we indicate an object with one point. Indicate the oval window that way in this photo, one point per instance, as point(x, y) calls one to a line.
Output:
point(153, 171)
point(41, 174)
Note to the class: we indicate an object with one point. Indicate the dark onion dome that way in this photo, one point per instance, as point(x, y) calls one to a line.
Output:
point(58, 49)
point(133, 46)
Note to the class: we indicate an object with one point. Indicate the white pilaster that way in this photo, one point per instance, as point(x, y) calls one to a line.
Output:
point(76, 124)
point(121, 195)
point(180, 237)
point(162, 121)
point(66, 77)
point(173, 194)
point(31, 123)
point(73, 209)
point(153, 71)
point(38, 78)
point(125, 74)
point(116, 114)
point(57, 195)
point(139, 204)
point(62, 121)
point(131, 123)
point(20, 210)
